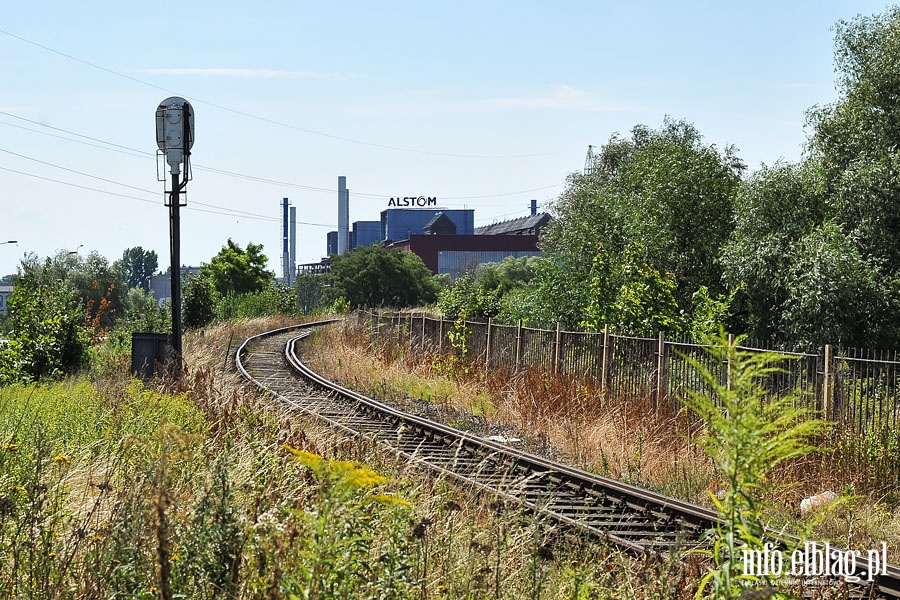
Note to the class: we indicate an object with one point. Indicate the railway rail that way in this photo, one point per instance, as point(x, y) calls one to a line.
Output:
point(627, 516)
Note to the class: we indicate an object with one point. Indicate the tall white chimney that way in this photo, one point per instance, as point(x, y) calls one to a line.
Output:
point(293, 235)
point(343, 215)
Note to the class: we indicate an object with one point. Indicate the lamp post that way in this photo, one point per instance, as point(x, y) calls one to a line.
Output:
point(174, 138)
point(9, 242)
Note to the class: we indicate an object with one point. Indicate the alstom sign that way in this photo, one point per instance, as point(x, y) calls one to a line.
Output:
point(421, 201)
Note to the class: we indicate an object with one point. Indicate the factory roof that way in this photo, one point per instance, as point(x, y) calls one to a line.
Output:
point(530, 225)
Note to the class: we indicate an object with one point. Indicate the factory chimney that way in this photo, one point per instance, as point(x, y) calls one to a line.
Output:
point(293, 234)
point(285, 257)
point(343, 215)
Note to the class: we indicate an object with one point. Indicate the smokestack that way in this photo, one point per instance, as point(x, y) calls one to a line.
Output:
point(293, 245)
point(285, 263)
point(343, 215)
point(533, 207)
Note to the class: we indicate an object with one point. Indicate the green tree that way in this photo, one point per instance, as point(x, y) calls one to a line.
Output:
point(48, 336)
point(137, 266)
point(238, 271)
point(309, 291)
point(815, 246)
point(91, 278)
point(837, 295)
point(664, 190)
point(775, 208)
point(143, 313)
point(200, 298)
point(375, 276)
point(481, 294)
point(651, 217)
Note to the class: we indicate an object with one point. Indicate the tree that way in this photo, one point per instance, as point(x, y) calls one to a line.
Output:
point(664, 194)
point(93, 280)
point(137, 266)
point(775, 208)
point(200, 299)
point(481, 294)
point(816, 245)
point(48, 336)
point(309, 292)
point(375, 276)
point(237, 271)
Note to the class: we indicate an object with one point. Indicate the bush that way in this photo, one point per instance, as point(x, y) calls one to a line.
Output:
point(199, 302)
point(48, 336)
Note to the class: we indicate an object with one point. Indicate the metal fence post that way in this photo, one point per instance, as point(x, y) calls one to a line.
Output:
point(519, 345)
point(487, 343)
point(728, 365)
point(556, 352)
point(827, 400)
point(660, 392)
point(604, 362)
point(441, 335)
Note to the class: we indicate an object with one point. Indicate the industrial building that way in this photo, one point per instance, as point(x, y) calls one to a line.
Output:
point(446, 239)
point(5, 291)
point(457, 254)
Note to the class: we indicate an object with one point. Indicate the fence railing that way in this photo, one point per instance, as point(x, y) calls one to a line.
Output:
point(855, 389)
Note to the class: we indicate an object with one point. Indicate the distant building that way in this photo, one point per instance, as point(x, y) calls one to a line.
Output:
point(401, 223)
point(5, 290)
point(530, 225)
point(440, 224)
point(161, 283)
point(365, 233)
point(331, 243)
point(319, 268)
point(456, 254)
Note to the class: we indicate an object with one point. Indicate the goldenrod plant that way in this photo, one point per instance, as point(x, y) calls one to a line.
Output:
point(748, 435)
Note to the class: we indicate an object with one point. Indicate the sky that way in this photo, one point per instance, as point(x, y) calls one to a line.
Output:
point(482, 104)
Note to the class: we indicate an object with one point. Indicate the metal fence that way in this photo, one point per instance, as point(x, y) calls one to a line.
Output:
point(855, 389)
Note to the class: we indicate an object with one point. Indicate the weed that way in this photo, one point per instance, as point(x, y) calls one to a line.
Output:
point(749, 434)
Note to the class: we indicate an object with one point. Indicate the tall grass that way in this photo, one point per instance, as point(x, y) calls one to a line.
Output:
point(568, 418)
point(203, 489)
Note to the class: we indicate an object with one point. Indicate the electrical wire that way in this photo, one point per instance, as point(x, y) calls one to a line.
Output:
point(275, 122)
point(215, 210)
point(113, 147)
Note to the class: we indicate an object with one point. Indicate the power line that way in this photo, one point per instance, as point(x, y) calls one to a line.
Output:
point(143, 154)
point(219, 210)
point(273, 121)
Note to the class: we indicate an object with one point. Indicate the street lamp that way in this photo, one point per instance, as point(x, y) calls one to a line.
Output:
point(9, 242)
point(75, 251)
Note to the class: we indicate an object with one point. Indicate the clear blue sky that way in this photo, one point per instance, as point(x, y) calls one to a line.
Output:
point(485, 105)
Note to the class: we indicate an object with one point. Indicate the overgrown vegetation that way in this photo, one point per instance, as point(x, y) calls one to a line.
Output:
point(110, 488)
point(749, 435)
point(571, 419)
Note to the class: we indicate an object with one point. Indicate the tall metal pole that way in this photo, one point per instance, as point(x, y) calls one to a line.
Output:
point(175, 247)
point(174, 138)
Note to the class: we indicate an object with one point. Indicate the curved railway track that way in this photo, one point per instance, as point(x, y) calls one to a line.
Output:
point(629, 517)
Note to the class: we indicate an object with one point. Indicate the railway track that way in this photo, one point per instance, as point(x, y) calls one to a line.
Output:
point(626, 516)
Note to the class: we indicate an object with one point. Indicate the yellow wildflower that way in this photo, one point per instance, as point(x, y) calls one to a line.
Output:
point(389, 499)
point(61, 459)
point(11, 447)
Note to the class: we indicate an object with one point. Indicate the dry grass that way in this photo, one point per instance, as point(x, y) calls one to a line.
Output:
point(465, 544)
point(567, 419)
point(557, 416)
